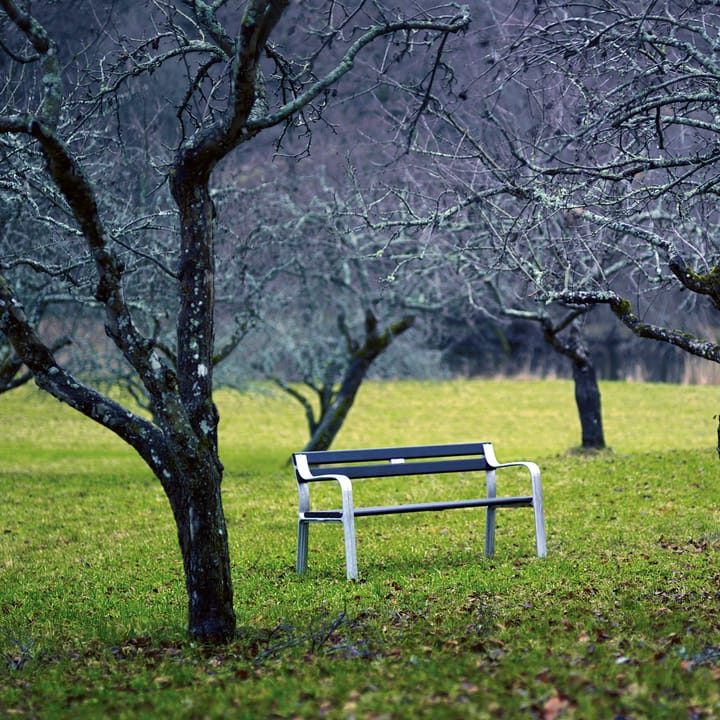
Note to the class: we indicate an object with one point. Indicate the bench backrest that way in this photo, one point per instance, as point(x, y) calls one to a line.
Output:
point(391, 462)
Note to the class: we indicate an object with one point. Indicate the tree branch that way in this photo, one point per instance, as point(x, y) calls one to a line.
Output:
point(459, 23)
point(51, 377)
point(623, 311)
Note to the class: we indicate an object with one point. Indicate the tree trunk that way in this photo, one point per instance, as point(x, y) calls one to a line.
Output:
point(333, 417)
point(587, 397)
point(197, 506)
point(196, 496)
point(587, 392)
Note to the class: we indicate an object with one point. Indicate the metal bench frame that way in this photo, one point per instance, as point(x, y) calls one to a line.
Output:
point(344, 466)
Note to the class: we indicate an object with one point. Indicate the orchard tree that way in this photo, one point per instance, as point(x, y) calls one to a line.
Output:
point(563, 331)
point(480, 230)
point(333, 312)
point(481, 276)
point(580, 151)
point(621, 136)
point(209, 77)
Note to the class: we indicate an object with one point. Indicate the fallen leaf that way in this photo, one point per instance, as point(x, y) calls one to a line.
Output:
point(554, 707)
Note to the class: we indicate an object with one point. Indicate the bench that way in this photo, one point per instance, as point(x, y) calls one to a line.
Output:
point(344, 466)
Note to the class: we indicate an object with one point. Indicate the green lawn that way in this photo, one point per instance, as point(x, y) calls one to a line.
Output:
point(622, 619)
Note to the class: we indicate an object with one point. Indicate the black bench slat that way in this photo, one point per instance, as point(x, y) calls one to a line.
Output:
point(446, 505)
point(323, 457)
point(423, 507)
point(323, 514)
point(388, 469)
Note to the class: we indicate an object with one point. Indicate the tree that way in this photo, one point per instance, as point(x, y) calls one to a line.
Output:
point(581, 154)
point(478, 230)
point(622, 140)
point(219, 92)
point(320, 350)
point(572, 345)
point(336, 388)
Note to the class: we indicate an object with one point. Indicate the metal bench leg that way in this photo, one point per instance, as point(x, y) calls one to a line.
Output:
point(302, 546)
point(490, 532)
point(490, 514)
point(540, 541)
point(350, 548)
point(348, 521)
point(303, 528)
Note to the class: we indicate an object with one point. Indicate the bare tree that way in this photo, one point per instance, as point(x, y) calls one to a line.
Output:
point(505, 294)
point(222, 83)
point(580, 153)
point(483, 233)
point(333, 311)
point(332, 390)
point(622, 142)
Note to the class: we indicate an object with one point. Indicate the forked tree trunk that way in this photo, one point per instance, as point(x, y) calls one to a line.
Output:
point(186, 464)
point(333, 417)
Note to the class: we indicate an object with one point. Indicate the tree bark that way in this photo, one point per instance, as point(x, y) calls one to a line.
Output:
point(197, 507)
point(587, 398)
point(196, 496)
point(707, 349)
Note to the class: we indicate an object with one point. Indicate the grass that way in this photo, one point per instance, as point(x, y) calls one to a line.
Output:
point(621, 620)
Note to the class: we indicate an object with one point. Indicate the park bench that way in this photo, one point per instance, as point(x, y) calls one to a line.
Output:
point(344, 466)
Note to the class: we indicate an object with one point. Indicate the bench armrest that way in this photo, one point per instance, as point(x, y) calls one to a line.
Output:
point(345, 491)
point(537, 502)
point(304, 476)
point(534, 477)
point(531, 466)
